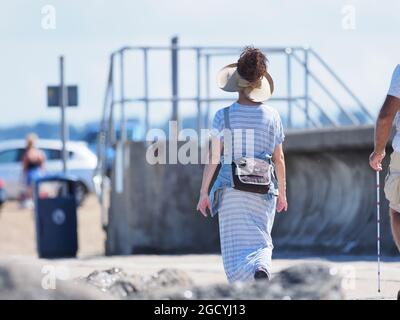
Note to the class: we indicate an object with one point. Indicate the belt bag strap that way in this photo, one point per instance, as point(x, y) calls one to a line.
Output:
point(226, 118)
point(228, 127)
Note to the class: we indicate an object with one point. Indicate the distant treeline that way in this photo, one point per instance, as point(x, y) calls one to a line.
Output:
point(88, 132)
point(47, 130)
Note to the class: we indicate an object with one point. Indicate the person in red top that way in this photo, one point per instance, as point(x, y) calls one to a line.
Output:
point(32, 163)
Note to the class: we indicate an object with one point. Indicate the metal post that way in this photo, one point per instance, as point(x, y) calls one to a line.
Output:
point(120, 150)
point(289, 86)
point(198, 83)
point(174, 67)
point(111, 118)
point(63, 120)
point(146, 91)
point(306, 104)
point(207, 115)
point(122, 93)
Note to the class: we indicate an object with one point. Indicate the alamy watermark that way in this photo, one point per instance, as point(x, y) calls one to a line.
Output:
point(349, 17)
point(183, 146)
point(49, 19)
point(348, 274)
point(53, 273)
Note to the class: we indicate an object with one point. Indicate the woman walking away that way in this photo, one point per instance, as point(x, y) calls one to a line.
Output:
point(33, 163)
point(246, 192)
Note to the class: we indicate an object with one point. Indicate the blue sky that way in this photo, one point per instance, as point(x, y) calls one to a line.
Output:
point(87, 31)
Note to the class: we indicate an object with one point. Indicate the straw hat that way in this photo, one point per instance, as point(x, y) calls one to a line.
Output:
point(229, 79)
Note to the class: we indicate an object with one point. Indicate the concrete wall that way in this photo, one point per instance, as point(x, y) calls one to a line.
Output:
point(157, 211)
point(331, 194)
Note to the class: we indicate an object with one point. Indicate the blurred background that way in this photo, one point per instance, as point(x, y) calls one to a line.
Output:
point(86, 33)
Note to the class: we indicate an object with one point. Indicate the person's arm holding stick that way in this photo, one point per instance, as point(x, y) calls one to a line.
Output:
point(383, 130)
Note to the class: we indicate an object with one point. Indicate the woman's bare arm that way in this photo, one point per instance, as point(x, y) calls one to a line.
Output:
point(383, 128)
point(214, 156)
point(279, 160)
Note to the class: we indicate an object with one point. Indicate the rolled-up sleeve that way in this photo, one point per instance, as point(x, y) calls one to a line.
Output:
point(217, 128)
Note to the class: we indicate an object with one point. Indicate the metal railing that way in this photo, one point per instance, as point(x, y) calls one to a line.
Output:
point(305, 102)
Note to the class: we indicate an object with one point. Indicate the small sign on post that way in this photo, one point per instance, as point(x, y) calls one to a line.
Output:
point(53, 96)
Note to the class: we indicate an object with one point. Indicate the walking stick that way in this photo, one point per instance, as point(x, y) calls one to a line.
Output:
point(378, 229)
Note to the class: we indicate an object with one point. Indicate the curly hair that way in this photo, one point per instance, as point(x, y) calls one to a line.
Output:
point(252, 64)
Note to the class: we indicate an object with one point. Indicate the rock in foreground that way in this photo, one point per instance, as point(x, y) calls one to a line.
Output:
point(304, 281)
point(25, 282)
point(118, 283)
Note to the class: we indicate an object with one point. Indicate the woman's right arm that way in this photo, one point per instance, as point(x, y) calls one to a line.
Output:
point(214, 156)
point(279, 160)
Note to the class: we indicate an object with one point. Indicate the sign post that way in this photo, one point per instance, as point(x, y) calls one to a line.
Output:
point(63, 124)
point(62, 96)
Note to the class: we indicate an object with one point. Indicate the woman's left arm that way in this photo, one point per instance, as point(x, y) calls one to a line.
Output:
point(214, 157)
point(279, 160)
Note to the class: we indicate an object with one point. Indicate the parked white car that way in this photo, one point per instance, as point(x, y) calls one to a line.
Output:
point(81, 164)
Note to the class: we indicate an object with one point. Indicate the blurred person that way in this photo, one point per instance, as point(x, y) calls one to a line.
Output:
point(33, 161)
point(3, 196)
point(388, 115)
point(245, 218)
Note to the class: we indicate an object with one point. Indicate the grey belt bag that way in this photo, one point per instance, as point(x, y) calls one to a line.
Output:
point(250, 174)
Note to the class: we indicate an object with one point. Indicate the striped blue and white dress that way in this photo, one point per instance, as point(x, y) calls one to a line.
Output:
point(245, 218)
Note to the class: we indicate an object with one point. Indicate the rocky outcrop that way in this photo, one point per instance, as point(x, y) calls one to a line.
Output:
point(305, 281)
point(118, 283)
point(25, 282)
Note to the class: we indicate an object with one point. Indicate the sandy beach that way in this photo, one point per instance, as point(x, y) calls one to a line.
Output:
point(17, 230)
